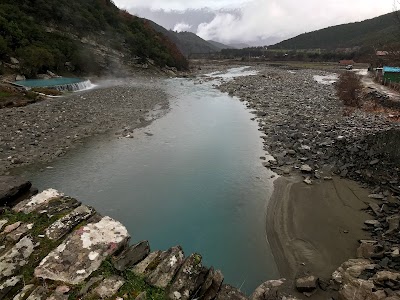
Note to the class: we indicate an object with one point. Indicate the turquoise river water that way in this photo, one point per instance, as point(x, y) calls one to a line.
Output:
point(32, 83)
point(193, 178)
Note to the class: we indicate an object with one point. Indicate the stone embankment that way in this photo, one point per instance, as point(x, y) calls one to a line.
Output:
point(46, 130)
point(309, 133)
point(54, 247)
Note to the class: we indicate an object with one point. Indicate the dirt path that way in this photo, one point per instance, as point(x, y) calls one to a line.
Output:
point(368, 82)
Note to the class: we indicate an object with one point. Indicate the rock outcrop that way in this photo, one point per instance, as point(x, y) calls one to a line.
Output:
point(55, 248)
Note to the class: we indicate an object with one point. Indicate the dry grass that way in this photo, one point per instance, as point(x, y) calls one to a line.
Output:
point(47, 91)
point(373, 107)
point(349, 89)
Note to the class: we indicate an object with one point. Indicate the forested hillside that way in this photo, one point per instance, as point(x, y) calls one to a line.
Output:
point(376, 32)
point(187, 42)
point(52, 34)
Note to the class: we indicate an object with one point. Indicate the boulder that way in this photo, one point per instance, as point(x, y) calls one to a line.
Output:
point(306, 284)
point(383, 276)
point(64, 225)
point(375, 208)
point(148, 264)
point(109, 287)
point(92, 281)
point(14, 61)
point(17, 257)
point(60, 293)
point(305, 169)
point(131, 256)
point(228, 292)
point(20, 77)
point(267, 290)
point(18, 233)
point(189, 279)
point(367, 249)
point(51, 74)
point(393, 222)
point(83, 252)
point(357, 289)
point(211, 285)
point(37, 201)
point(351, 286)
point(11, 188)
point(372, 222)
point(39, 293)
point(8, 285)
point(11, 227)
point(24, 292)
point(170, 262)
point(58, 206)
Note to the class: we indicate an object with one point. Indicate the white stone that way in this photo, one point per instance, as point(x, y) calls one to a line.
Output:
point(74, 260)
point(13, 281)
point(173, 261)
point(105, 231)
point(93, 255)
point(12, 227)
point(140, 268)
point(37, 201)
point(109, 287)
point(16, 257)
point(62, 226)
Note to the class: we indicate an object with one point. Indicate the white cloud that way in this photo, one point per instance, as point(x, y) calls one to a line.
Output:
point(261, 19)
point(182, 5)
point(182, 27)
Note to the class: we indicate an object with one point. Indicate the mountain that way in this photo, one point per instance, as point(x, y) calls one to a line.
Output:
point(79, 36)
point(377, 32)
point(239, 45)
point(187, 42)
point(220, 45)
point(190, 43)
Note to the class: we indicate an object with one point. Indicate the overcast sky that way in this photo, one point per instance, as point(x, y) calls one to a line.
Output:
point(254, 21)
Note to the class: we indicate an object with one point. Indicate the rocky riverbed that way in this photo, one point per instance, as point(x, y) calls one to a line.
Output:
point(306, 127)
point(310, 134)
point(46, 130)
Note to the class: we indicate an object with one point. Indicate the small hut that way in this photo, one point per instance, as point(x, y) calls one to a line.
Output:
point(391, 74)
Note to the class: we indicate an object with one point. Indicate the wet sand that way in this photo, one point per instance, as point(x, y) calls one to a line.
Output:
point(313, 229)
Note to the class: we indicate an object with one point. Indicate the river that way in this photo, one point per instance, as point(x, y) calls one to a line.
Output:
point(193, 178)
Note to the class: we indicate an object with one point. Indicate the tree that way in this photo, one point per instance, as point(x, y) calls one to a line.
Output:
point(3, 47)
point(35, 60)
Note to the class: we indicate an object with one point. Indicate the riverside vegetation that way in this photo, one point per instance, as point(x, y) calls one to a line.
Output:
point(82, 37)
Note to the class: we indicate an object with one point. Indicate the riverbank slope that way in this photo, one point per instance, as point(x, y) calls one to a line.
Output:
point(315, 222)
point(43, 131)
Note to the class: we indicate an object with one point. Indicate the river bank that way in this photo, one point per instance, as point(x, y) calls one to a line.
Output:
point(314, 226)
point(41, 132)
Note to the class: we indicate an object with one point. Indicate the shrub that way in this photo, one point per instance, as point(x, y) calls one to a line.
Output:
point(349, 88)
point(35, 60)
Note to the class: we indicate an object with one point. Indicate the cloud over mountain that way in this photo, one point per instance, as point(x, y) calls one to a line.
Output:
point(255, 21)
